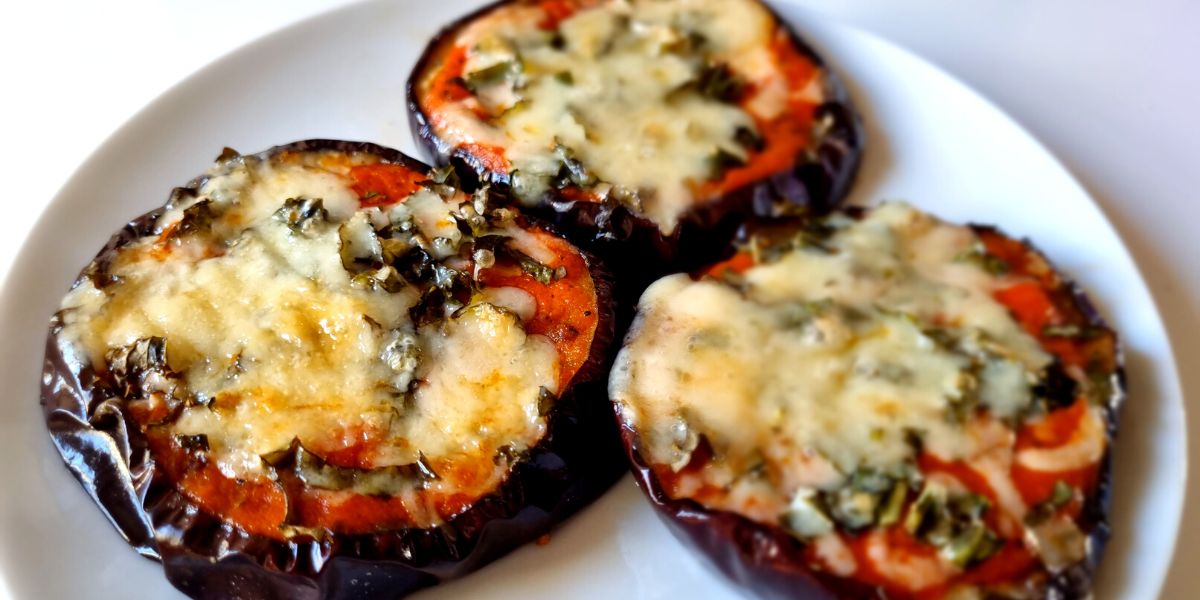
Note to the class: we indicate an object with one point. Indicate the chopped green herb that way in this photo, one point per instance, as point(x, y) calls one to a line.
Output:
point(424, 469)
point(444, 175)
point(719, 82)
point(1061, 494)
point(952, 523)
point(235, 365)
point(854, 509)
point(628, 197)
point(380, 481)
point(433, 307)
point(489, 76)
point(925, 510)
point(1059, 497)
point(805, 517)
point(889, 514)
point(970, 506)
point(506, 454)
point(500, 246)
point(402, 354)
point(797, 315)
point(708, 338)
point(722, 160)
point(395, 247)
point(140, 368)
point(196, 218)
point(301, 215)
point(565, 78)
point(971, 546)
point(546, 400)
point(193, 443)
point(386, 278)
point(978, 254)
point(199, 399)
point(227, 154)
point(1054, 390)
point(1070, 331)
point(544, 274)
point(689, 43)
point(684, 441)
point(1101, 386)
point(572, 170)
point(994, 265)
point(749, 139)
point(869, 479)
point(446, 278)
point(916, 441)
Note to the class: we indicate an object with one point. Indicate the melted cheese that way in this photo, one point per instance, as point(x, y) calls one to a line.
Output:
point(762, 378)
point(833, 552)
point(484, 361)
point(265, 324)
point(1085, 448)
point(914, 571)
point(822, 362)
point(608, 93)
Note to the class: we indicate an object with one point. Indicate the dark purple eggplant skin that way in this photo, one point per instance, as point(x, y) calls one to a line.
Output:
point(633, 246)
point(770, 563)
point(205, 557)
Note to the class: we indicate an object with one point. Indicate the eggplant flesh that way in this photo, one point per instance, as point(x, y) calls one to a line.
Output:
point(633, 246)
point(576, 460)
point(771, 563)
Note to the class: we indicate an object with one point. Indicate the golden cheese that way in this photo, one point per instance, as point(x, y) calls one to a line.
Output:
point(826, 361)
point(275, 341)
point(607, 91)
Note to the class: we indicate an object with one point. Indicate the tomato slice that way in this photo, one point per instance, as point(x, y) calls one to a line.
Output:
point(446, 85)
point(347, 513)
point(1030, 304)
point(384, 184)
point(259, 505)
point(489, 157)
point(566, 309)
point(784, 137)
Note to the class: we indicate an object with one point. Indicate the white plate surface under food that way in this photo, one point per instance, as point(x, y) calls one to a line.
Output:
point(931, 141)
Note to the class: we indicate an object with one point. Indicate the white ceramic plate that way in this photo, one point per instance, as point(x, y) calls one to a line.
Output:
point(931, 141)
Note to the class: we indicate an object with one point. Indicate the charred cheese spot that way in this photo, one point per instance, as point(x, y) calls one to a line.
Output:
point(305, 326)
point(642, 102)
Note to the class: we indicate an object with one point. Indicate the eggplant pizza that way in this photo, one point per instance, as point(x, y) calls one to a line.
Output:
point(324, 371)
point(647, 129)
point(877, 404)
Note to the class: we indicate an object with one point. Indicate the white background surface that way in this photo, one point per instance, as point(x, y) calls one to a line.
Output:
point(1110, 86)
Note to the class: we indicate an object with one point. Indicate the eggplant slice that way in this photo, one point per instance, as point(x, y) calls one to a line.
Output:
point(877, 404)
point(646, 130)
point(253, 381)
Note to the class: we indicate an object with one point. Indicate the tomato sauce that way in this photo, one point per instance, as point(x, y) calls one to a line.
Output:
point(259, 505)
point(384, 184)
point(567, 312)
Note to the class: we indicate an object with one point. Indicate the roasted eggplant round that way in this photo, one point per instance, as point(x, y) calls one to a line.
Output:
point(877, 404)
point(323, 372)
point(646, 129)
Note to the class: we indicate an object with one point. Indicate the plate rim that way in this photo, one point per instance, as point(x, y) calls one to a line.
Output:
point(39, 228)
